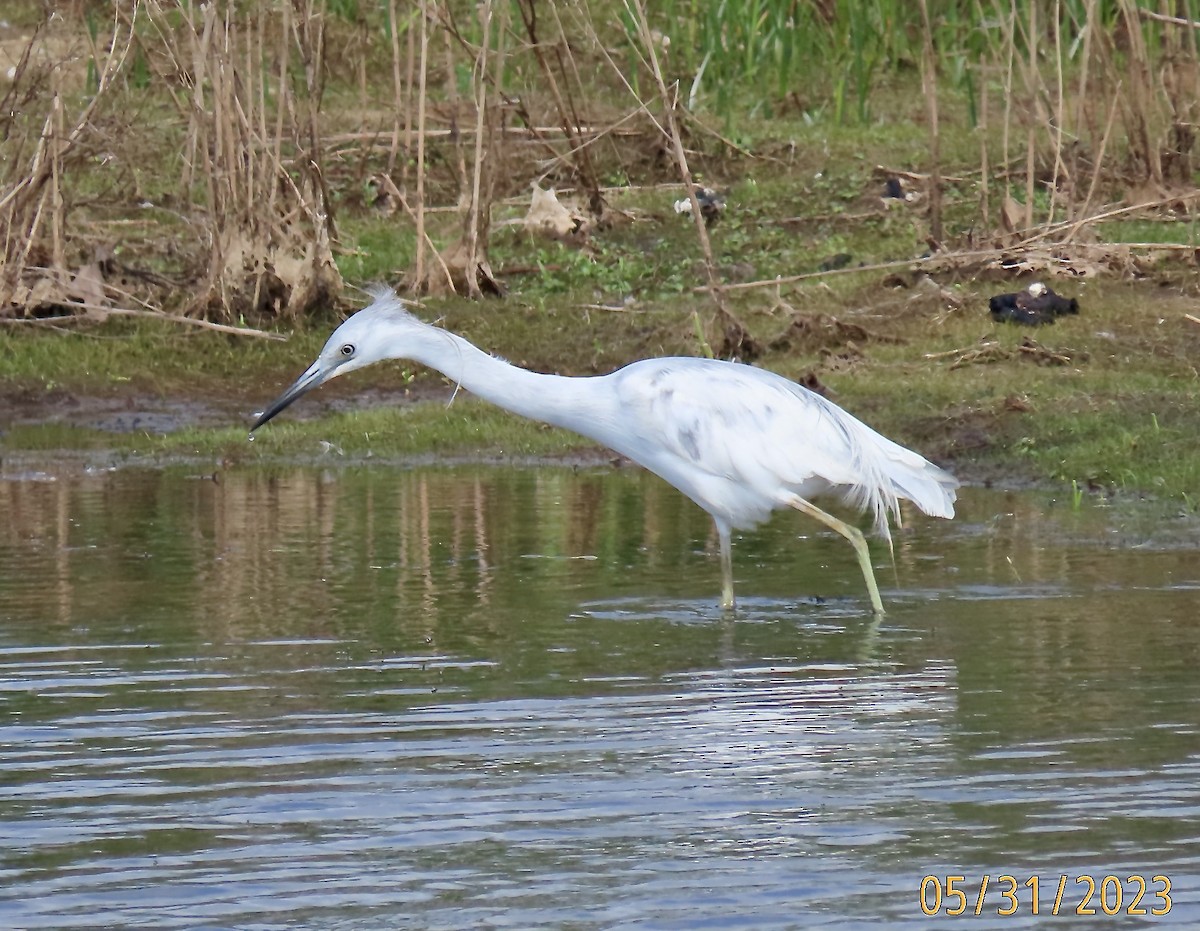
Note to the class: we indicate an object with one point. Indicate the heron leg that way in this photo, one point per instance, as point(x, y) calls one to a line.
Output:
point(723, 534)
point(857, 540)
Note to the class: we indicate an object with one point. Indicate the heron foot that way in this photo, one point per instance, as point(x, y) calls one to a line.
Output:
point(855, 538)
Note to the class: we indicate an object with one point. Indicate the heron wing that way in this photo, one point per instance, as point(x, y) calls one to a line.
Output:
point(773, 438)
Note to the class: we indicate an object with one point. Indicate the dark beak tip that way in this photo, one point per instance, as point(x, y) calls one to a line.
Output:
point(305, 383)
point(261, 420)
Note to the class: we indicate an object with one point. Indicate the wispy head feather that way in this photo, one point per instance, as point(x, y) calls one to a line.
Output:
point(386, 300)
point(385, 297)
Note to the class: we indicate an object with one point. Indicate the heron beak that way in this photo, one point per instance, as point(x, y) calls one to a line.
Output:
point(314, 376)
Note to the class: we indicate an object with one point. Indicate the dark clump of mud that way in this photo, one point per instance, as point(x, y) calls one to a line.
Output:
point(132, 411)
point(118, 413)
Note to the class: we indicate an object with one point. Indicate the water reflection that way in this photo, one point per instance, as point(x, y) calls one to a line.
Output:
point(371, 697)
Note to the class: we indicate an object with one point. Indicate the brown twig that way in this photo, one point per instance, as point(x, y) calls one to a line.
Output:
point(1109, 214)
point(929, 86)
point(886, 172)
point(425, 240)
point(563, 102)
point(934, 261)
point(103, 311)
point(422, 76)
point(476, 211)
point(1163, 18)
point(735, 332)
point(1112, 113)
point(398, 87)
point(23, 206)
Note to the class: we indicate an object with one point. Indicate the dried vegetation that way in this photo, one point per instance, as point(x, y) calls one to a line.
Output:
point(206, 160)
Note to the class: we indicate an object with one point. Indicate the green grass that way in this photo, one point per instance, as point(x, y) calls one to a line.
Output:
point(145, 355)
point(414, 432)
point(1122, 418)
point(467, 428)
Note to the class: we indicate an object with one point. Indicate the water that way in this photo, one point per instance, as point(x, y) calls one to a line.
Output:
point(473, 698)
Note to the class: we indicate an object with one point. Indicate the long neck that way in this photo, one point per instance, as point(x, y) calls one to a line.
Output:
point(579, 404)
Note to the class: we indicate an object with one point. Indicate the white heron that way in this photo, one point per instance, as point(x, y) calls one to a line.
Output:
point(739, 441)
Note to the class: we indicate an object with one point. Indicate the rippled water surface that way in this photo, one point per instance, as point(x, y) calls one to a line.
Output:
point(505, 698)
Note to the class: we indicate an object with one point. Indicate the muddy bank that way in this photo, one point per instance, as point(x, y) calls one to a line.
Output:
point(131, 411)
point(1101, 402)
point(125, 414)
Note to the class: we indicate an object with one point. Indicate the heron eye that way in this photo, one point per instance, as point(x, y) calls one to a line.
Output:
point(347, 350)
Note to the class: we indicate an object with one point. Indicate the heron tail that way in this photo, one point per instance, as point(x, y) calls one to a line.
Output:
point(895, 474)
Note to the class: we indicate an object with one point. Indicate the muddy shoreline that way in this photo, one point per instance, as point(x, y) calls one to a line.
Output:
point(125, 412)
point(128, 412)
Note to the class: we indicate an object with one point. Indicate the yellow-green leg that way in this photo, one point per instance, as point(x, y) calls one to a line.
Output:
point(723, 534)
point(857, 540)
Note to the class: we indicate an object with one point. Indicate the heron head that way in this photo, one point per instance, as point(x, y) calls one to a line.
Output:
point(361, 340)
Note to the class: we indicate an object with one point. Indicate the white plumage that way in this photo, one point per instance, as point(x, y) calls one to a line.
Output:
point(739, 441)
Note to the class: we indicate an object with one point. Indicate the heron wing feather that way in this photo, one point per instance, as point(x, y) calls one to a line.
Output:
point(774, 438)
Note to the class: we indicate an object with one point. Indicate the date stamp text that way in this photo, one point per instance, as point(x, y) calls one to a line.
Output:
point(1007, 894)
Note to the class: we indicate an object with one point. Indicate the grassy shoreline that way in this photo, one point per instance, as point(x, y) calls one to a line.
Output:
point(213, 185)
point(1103, 402)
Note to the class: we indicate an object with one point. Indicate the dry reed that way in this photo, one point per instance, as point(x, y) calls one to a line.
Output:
point(1099, 103)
